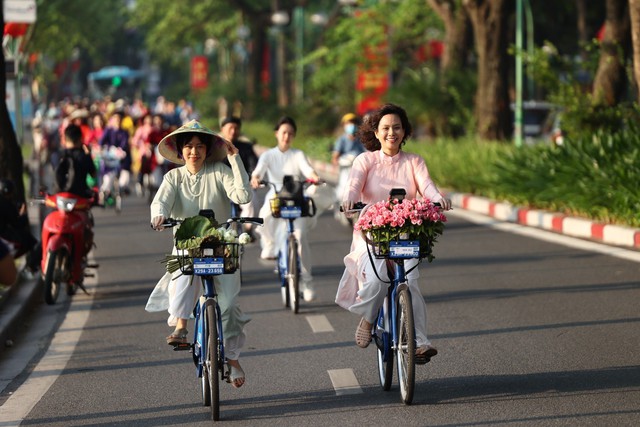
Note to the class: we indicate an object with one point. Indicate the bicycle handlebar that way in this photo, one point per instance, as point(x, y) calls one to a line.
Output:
point(358, 206)
point(263, 183)
point(172, 222)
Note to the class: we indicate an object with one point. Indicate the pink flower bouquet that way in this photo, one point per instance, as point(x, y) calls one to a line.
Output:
point(410, 219)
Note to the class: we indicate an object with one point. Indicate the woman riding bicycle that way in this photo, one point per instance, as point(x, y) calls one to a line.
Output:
point(374, 173)
point(203, 182)
point(275, 164)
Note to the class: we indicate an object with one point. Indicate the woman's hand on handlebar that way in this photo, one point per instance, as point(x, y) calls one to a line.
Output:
point(157, 221)
point(255, 182)
point(346, 206)
point(445, 203)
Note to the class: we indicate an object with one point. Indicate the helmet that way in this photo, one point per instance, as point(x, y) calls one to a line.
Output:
point(349, 117)
point(6, 187)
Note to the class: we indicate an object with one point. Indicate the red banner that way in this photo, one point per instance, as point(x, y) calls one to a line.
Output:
point(199, 72)
point(15, 29)
point(372, 79)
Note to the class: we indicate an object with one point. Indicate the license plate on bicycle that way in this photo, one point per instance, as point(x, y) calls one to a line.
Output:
point(404, 249)
point(290, 212)
point(206, 266)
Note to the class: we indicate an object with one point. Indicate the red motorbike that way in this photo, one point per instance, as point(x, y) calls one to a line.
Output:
point(67, 238)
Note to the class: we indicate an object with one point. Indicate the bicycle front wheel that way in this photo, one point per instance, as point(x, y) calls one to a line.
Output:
point(293, 274)
point(212, 362)
point(385, 355)
point(406, 347)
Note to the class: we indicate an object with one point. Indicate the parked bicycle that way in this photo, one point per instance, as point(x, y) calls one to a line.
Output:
point(394, 329)
point(207, 346)
point(290, 206)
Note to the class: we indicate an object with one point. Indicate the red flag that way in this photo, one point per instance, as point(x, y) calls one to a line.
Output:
point(199, 72)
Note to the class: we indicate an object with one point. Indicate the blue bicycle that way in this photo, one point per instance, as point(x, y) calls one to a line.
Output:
point(208, 342)
point(290, 204)
point(394, 329)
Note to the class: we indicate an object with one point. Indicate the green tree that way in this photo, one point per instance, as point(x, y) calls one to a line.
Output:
point(95, 29)
point(490, 20)
point(394, 29)
point(611, 81)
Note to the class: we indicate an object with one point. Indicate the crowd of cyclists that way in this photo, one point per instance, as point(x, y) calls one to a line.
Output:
point(119, 135)
point(126, 142)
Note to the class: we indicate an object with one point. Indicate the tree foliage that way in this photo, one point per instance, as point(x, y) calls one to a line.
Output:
point(93, 26)
point(399, 28)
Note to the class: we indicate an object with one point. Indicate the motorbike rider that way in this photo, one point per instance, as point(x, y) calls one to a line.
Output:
point(72, 172)
point(75, 166)
point(345, 150)
point(14, 226)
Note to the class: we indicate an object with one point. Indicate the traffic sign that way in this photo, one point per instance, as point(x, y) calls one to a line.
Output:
point(23, 11)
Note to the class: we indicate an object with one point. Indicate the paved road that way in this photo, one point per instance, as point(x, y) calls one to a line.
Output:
point(530, 332)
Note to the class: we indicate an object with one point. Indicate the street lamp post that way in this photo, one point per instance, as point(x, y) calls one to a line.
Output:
point(518, 106)
point(298, 22)
point(280, 19)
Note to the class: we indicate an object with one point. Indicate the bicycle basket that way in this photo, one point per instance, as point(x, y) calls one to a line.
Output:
point(284, 207)
point(212, 258)
point(398, 246)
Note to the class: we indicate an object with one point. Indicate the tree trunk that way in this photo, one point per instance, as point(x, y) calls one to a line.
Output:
point(583, 28)
point(457, 37)
point(489, 19)
point(634, 13)
point(10, 154)
point(610, 80)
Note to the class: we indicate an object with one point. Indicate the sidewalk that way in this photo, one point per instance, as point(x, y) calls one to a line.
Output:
point(16, 301)
point(25, 294)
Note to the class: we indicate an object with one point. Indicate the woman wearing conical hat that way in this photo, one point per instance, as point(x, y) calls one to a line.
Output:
point(202, 181)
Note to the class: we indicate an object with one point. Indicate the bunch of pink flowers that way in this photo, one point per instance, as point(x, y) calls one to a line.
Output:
point(410, 219)
point(396, 215)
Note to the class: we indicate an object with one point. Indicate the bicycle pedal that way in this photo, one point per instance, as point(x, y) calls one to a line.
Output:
point(93, 265)
point(87, 274)
point(182, 347)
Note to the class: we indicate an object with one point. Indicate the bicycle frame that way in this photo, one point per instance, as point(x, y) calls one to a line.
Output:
point(290, 208)
point(284, 268)
point(209, 357)
point(200, 338)
point(389, 310)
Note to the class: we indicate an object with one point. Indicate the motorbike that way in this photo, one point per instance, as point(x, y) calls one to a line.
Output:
point(67, 238)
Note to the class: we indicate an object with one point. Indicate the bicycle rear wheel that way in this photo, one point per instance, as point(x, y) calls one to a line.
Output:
point(385, 355)
point(293, 274)
point(406, 347)
point(212, 361)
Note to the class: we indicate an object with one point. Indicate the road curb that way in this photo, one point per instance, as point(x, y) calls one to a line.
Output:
point(14, 307)
point(610, 234)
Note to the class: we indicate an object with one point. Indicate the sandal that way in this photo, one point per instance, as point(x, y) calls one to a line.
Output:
point(235, 374)
point(425, 353)
point(179, 336)
point(363, 335)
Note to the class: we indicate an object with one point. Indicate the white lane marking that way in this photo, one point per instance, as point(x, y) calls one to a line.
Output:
point(319, 323)
point(344, 381)
point(540, 234)
point(64, 342)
